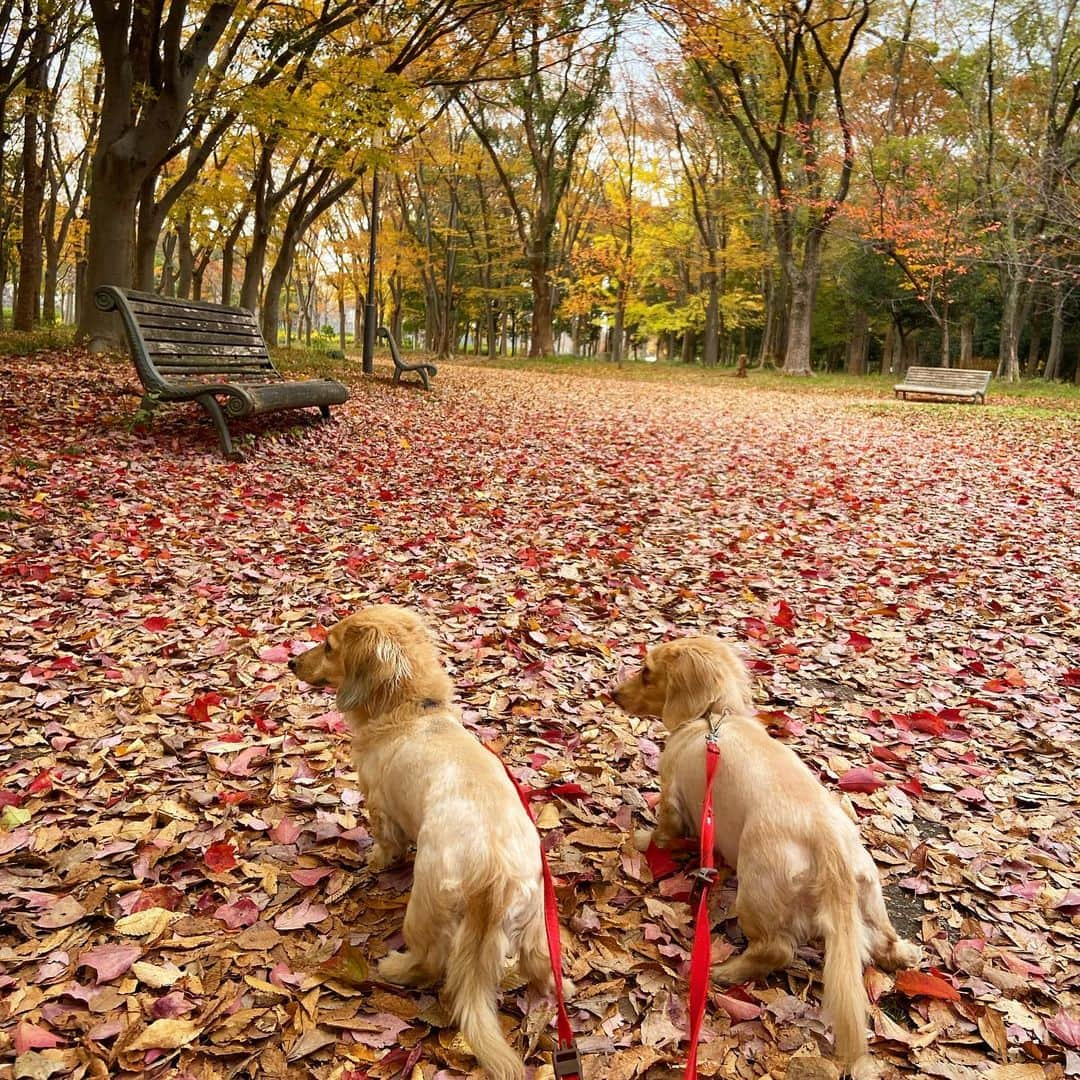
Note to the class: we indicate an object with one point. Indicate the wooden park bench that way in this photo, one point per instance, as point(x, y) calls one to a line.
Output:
point(944, 382)
point(188, 350)
point(422, 367)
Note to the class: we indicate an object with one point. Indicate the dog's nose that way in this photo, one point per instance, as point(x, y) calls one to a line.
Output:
point(292, 664)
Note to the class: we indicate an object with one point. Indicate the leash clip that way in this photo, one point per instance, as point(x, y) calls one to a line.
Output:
point(701, 880)
point(566, 1061)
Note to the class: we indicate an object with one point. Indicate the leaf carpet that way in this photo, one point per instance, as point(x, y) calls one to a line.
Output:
point(183, 888)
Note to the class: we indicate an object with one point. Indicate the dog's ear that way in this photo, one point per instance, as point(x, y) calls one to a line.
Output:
point(705, 676)
point(375, 668)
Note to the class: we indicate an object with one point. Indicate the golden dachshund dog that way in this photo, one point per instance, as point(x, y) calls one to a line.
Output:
point(803, 873)
point(477, 895)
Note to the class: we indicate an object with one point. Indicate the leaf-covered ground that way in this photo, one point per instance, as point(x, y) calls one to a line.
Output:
point(183, 887)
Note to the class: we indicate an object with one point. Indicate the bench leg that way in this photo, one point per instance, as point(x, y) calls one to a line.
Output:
point(325, 410)
point(397, 375)
point(424, 379)
point(210, 404)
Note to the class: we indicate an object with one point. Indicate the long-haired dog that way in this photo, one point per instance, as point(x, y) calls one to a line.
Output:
point(803, 873)
point(477, 895)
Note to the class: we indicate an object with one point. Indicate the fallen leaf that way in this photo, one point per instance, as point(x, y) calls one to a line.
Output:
point(304, 914)
point(109, 961)
point(921, 984)
point(165, 1035)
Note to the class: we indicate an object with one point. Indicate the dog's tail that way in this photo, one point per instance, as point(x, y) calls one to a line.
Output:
point(474, 968)
point(842, 927)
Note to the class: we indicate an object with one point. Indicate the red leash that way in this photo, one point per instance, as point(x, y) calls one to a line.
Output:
point(706, 876)
point(566, 1058)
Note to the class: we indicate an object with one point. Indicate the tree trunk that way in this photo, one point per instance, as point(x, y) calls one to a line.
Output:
point(773, 337)
point(260, 236)
point(110, 247)
point(909, 350)
point(53, 245)
point(890, 351)
point(358, 318)
point(228, 259)
point(1057, 329)
point(711, 345)
point(1031, 368)
point(967, 340)
point(618, 331)
point(688, 346)
point(492, 328)
point(541, 341)
point(859, 345)
point(185, 257)
point(803, 287)
point(167, 285)
point(1009, 347)
point(27, 310)
point(149, 224)
point(52, 271)
point(341, 317)
point(946, 339)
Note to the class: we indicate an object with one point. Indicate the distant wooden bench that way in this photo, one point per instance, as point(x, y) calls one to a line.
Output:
point(944, 382)
point(188, 350)
point(422, 368)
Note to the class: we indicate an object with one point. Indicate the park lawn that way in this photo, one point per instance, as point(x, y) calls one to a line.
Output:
point(181, 843)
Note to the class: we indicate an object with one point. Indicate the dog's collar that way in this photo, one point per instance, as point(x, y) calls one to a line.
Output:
point(715, 719)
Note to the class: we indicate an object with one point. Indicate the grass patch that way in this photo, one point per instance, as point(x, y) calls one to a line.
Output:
point(28, 342)
point(315, 362)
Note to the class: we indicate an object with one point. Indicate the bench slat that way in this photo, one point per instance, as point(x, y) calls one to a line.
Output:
point(171, 348)
point(180, 373)
point(193, 308)
point(154, 334)
point(158, 319)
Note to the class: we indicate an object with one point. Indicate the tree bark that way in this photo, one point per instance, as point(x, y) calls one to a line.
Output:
point(859, 345)
point(688, 346)
point(1031, 368)
point(27, 310)
point(185, 255)
point(1009, 347)
point(541, 337)
point(802, 284)
point(711, 343)
point(946, 338)
point(167, 285)
point(260, 233)
point(967, 340)
point(1057, 334)
point(773, 338)
point(149, 223)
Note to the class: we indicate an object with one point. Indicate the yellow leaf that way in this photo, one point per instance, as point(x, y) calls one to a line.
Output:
point(148, 923)
point(166, 1035)
point(154, 975)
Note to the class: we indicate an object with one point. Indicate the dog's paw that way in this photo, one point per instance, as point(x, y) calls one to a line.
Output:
point(642, 839)
point(906, 954)
point(400, 968)
point(382, 859)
